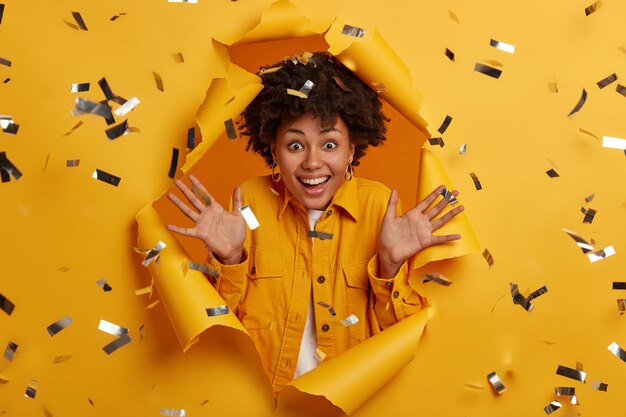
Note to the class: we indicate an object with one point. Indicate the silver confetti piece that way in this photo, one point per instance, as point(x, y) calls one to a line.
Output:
point(599, 386)
point(617, 351)
point(59, 325)
point(437, 278)
point(5, 62)
point(353, 31)
point(83, 106)
point(607, 80)
point(613, 143)
point(565, 391)
point(518, 298)
point(496, 383)
point(330, 309)
point(126, 107)
point(231, 133)
point(589, 215)
point(307, 87)
point(488, 70)
point(112, 328)
point(445, 124)
point(117, 130)
point(217, 311)
point(152, 253)
point(79, 20)
point(552, 407)
point(506, 47)
point(589, 198)
point(10, 350)
point(205, 269)
point(537, 293)
point(445, 193)
point(601, 254)
point(575, 374)
point(463, 149)
point(173, 412)
point(79, 87)
point(319, 235)
point(449, 54)
point(582, 243)
point(173, 163)
point(116, 344)
point(8, 125)
point(103, 284)
point(552, 173)
point(621, 89)
point(619, 285)
point(31, 392)
point(436, 141)
point(351, 320)
point(580, 104)
point(104, 176)
point(6, 305)
point(249, 217)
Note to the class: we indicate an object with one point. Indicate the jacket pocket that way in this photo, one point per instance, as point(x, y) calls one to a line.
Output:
point(357, 298)
point(264, 264)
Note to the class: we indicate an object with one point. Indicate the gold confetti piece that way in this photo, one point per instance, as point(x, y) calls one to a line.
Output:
point(217, 311)
point(445, 124)
point(579, 366)
point(231, 133)
point(589, 198)
point(79, 20)
point(353, 31)
point(617, 351)
point(449, 54)
point(487, 70)
point(351, 320)
point(488, 257)
point(552, 173)
point(173, 163)
point(341, 84)
point(436, 141)
point(595, 6)
point(6, 305)
point(462, 149)
point(496, 383)
point(70, 163)
point(249, 217)
point(621, 89)
point(582, 243)
point(152, 304)
point(476, 181)
point(104, 176)
point(130, 104)
point(613, 143)
point(173, 412)
point(319, 235)
point(621, 306)
point(571, 373)
point(158, 81)
point(453, 16)
point(619, 285)
point(76, 126)
point(205, 402)
point(116, 344)
point(10, 350)
point(506, 47)
point(117, 16)
point(103, 284)
point(112, 328)
point(319, 355)
point(205, 269)
point(579, 105)
point(61, 359)
point(553, 87)
point(330, 309)
point(565, 391)
point(59, 325)
point(599, 386)
point(296, 93)
point(178, 57)
point(153, 253)
point(447, 194)
point(589, 215)
point(79, 87)
point(601, 254)
point(518, 298)
point(552, 407)
point(437, 278)
point(607, 80)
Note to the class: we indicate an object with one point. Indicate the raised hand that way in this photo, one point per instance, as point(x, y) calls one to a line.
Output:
point(403, 236)
point(221, 231)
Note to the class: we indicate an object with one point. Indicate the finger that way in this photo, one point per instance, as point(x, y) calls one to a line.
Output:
point(200, 190)
point(425, 203)
point(191, 196)
point(186, 231)
point(437, 240)
point(447, 217)
point(392, 204)
point(237, 199)
point(184, 208)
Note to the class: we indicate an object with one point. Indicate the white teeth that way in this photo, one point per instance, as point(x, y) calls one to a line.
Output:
point(314, 181)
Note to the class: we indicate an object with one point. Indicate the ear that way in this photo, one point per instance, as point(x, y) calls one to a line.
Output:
point(273, 153)
point(351, 153)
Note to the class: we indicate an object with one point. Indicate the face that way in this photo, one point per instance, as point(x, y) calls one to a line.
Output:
point(312, 158)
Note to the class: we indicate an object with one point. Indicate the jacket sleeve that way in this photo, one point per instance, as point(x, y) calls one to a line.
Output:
point(231, 282)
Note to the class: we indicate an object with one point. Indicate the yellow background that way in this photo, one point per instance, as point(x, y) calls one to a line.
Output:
point(515, 129)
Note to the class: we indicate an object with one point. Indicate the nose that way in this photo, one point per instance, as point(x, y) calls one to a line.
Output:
point(313, 160)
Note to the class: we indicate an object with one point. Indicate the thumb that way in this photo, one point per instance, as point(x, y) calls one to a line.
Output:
point(392, 205)
point(237, 199)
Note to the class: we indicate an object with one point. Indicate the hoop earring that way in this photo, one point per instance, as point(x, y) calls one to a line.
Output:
point(275, 177)
point(349, 172)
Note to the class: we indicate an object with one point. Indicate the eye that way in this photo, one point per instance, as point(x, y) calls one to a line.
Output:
point(329, 146)
point(294, 146)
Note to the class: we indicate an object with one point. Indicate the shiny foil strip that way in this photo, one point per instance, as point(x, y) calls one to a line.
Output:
point(353, 31)
point(112, 328)
point(103, 284)
point(351, 320)
point(341, 84)
point(319, 235)
point(5, 62)
point(437, 278)
point(445, 193)
point(582, 243)
point(231, 133)
point(117, 130)
point(70, 163)
point(476, 181)
point(599, 386)
point(506, 47)
point(330, 309)
point(104, 176)
point(79, 20)
point(1, 12)
point(204, 196)
point(59, 325)
point(173, 412)
point(158, 81)
point(463, 149)
point(565, 391)
point(205, 269)
point(617, 351)
point(575, 374)
point(488, 257)
point(552, 407)
point(173, 163)
point(613, 143)
point(319, 355)
point(607, 80)
point(601, 254)
point(552, 173)
point(8, 125)
point(10, 350)
point(307, 87)
point(102, 109)
point(130, 104)
point(79, 87)
point(249, 217)
point(445, 124)
point(537, 293)
point(616, 286)
point(7, 168)
point(217, 311)
point(436, 141)
point(191, 137)
point(449, 54)
point(580, 104)
point(6, 305)
point(30, 392)
point(487, 70)
point(116, 344)
point(621, 89)
point(595, 6)
point(153, 253)
point(518, 298)
point(106, 89)
point(589, 215)
point(496, 383)
point(621, 306)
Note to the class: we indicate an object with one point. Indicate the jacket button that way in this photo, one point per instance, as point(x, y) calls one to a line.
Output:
point(321, 279)
point(396, 294)
point(325, 327)
point(388, 284)
point(213, 280)
point(253, 270)
point(329, 213)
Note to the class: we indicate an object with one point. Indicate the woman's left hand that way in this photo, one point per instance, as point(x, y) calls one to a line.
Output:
point(403, 236)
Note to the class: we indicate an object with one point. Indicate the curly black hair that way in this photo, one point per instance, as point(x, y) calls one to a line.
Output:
point(336, 91)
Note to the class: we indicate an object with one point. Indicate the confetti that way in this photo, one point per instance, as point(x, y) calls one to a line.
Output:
point(205, 269)
point(158, 81)
point(589, 215)
point(191, 137)
point(496, 383)
point(599, 386)
point(4, 61)
point(607, 80)
point(488, 257)
point(379, 87)
point(117, 16)
point(307, 87)
point(353, 31)
point(1, 12)
point(130, 104)
point(619, 285)
point(178, 57)
point(476, 181)
point(436, 141)
point(564, 391)
point(537, 293)
point(582, 243)
point(446, 194)
point(8, 125)
point(617, 351)
point(79, 20)
point(437, 278)
point(444, 125)
point(621, 89)
point(351, 320)
point(552, 173)
point(595, 6)
point(621, 306)
point(202, 194)
point(518, 298)
point(112, 328)
point(106, 89)
point(102, 109)
point(173, 412)
point(319, 354)
point(59, 325)
point(614, 143)
point(487, 70)
point(31, 391)
point(330, 309)
point(506, 47)
point(6, 305)
point(601, 254)
point(116, 344)
point(173, 163)
point(10, 350)
point(319, 235)
point(79, 87)
point(231, 133)
point(152, 304)
point(117, 130)
point(106, 177)
point(449, 54)
point(153, 253)
point(579, 105)
point(462, 149)
point(249, 217)
point(341, 84)
point(6, 80)
point(589, 198)
point(553, 87)
point(103, 284)
point(217, 311)
point(296, 93)
point(552, 407)
point(576, 374)
point(61, 359)
point(72, 163)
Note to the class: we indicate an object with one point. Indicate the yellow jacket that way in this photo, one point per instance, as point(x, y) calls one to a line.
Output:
point(269, 291)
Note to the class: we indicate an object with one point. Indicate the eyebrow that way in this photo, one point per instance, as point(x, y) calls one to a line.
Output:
point(327, 130)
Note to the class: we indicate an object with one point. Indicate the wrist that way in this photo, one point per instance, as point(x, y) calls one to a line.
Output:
point(232, 258)
point(386, 267)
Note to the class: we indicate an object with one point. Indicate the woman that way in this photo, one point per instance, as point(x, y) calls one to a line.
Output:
point(329, 264)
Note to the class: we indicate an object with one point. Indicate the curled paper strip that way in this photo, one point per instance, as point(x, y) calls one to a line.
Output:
point(496, 383)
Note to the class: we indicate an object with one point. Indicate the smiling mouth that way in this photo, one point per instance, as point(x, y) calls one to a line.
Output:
point(313, 182)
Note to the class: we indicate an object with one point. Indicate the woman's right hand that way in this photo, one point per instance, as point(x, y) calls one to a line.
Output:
point(222, 232)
